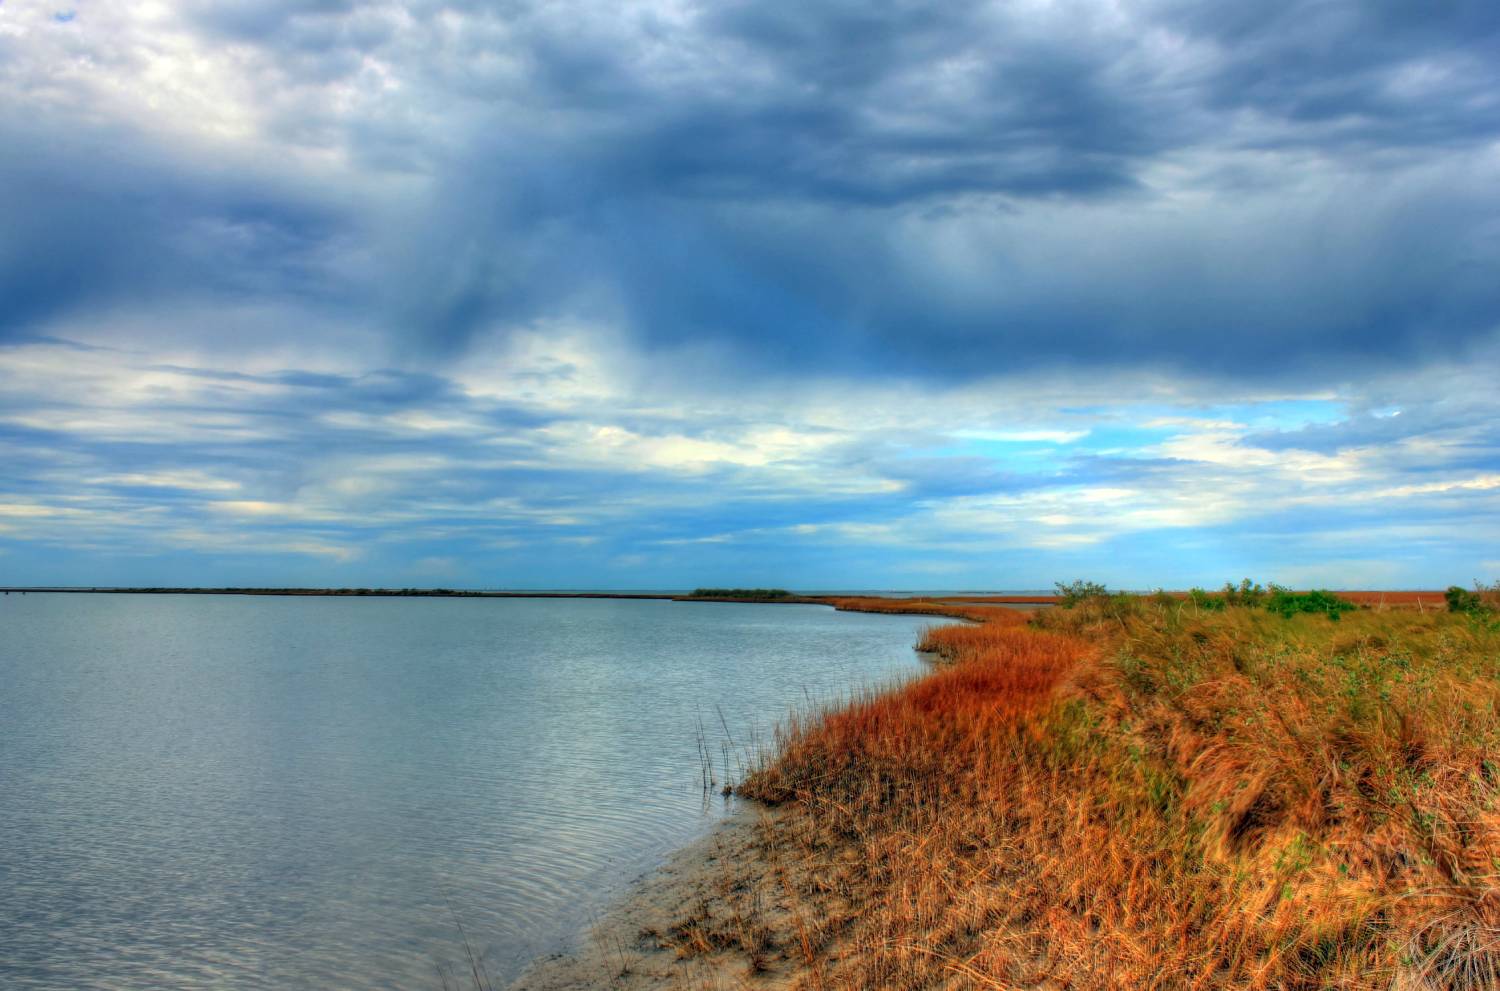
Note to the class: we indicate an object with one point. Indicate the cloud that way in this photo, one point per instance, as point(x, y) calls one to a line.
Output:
point(114, 453)
point(924, 189)
point(81, 238)
point(460, 281)
point(1371, 74)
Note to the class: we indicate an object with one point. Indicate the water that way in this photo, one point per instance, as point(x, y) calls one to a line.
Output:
point(246, 792)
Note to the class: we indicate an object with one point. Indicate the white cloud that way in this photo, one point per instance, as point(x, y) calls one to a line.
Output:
point(1024, 436)
point(1480, 483)
point(502, 461)
point(187, 478)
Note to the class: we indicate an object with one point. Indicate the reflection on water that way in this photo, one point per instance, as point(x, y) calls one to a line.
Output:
point(307, 792)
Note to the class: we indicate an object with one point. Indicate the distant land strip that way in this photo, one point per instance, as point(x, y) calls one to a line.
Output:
point(829, 599)
point(389, 592)
point(1368, 598)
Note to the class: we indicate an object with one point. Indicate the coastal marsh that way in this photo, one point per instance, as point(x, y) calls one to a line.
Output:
point(1140, 793)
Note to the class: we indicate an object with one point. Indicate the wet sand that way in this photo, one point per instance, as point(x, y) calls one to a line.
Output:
point(636, 944)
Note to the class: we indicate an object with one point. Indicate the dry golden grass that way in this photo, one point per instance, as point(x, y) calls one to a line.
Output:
point(1135, 795)
point(1014, 600)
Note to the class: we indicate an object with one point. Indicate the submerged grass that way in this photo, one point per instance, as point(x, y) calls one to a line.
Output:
point(1140, 794)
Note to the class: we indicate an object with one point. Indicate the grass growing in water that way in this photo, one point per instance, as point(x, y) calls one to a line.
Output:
point(1137, 793)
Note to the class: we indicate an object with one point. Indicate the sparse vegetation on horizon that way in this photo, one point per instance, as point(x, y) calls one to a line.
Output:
point(740, 593)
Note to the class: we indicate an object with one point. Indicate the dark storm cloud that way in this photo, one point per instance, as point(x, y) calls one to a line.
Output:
point(852, 105)
point(927, 189)
point(790, 206)
point(1385, 73)
point(96, 218)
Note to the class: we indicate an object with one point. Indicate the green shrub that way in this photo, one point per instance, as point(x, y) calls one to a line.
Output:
point(1247, 593)
point(1205, 600)
point(1462, 600)
point(1286, 603)
point(741, 593)
point(1079, 591)
point(1483, 599)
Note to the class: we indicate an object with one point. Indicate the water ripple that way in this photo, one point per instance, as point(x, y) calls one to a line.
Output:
point(251, 793)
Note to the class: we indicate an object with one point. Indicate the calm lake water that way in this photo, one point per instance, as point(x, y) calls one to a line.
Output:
point(238, 792)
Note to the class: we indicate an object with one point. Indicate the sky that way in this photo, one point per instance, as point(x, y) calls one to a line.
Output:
point(817, 294)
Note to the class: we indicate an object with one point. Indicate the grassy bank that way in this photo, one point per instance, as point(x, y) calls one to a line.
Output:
point(1141, 793)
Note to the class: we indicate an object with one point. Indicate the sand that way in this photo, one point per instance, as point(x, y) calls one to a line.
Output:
point(647, 939)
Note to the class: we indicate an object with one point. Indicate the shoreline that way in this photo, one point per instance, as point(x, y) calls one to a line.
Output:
point(1061, 801)
point(623, 948)
point(717, 912)
point(952, 605)
point(850, 602)
point(410, 593)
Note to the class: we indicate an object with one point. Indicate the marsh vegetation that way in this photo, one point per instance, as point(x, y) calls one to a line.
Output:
point(1141, 792)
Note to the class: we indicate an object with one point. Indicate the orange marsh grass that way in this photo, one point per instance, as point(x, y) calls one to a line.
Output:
point(1136, 795)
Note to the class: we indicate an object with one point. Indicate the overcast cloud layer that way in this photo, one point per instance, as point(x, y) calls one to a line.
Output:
point(822, 294)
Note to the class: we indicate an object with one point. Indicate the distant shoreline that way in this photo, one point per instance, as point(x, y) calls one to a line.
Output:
point(439, 593)
point(1376, 598)
point(448, 593)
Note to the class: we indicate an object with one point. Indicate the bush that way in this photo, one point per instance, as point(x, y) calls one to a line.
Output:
point(741, 593)
point(1483, 599)
point(1462, 600)
point(1286, 603)
point(1205, 600)
point(1247, 593)
point(1079, 591)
